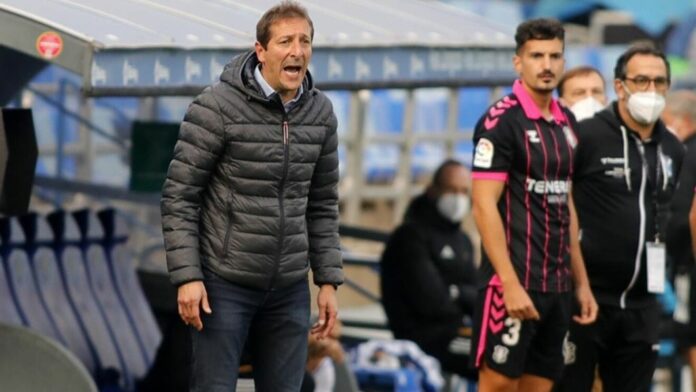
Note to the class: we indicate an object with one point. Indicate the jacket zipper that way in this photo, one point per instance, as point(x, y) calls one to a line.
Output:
point(641, 235)
point(281, 197)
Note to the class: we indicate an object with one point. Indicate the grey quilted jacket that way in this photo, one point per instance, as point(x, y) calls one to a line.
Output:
point(251, 193)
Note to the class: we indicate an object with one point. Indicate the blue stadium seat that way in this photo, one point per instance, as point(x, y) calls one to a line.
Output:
point(396, 380)
point(380, 162)
point(464, 152)
point(384, 115)
point(340, 99)
point(431, 110)
point(52, 290)
point(91, 230)
point(123, 269)
point(8, 307)
point(473, 102)
point(30, 305)
point(82, 297)
point(106, 294)
point(425, 158)
point(385, 111)
point(51, 287)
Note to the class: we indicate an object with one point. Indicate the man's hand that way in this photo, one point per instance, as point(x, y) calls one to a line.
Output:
point(191, 298)
point(517, 302)
point(588, 305)
point(328, 310)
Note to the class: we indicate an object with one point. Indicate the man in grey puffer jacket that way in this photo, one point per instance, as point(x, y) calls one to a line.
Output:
point(249, 204)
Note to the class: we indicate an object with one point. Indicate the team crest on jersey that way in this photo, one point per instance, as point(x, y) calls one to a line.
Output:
point(500, 354)
point(483, 157)
point(570, 137)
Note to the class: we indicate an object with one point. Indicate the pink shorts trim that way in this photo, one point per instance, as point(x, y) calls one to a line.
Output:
point(493, 284)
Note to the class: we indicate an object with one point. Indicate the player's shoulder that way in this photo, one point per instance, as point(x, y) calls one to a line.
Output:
point(501, 112)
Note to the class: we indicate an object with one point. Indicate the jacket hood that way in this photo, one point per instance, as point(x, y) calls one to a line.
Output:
point(239, 73)
point(610, 115)
point(423, 209)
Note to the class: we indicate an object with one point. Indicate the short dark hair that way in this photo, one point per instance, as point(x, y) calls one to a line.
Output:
point(440, 171)
point(541, 29)
point(577, 71)
point(285, 10)
point(642, 48)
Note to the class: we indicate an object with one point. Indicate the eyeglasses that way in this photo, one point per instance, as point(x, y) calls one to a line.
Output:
point(643, 82)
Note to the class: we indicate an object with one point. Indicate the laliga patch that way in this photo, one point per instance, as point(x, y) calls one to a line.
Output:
point(570, 137)
point(483, 157)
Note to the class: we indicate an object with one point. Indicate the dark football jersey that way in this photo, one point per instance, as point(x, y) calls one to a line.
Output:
point(534, 157)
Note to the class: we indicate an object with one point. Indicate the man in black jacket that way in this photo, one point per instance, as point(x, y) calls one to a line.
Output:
point(680, 117)
point(627, 165)
point(428, 274)
point(249, 204)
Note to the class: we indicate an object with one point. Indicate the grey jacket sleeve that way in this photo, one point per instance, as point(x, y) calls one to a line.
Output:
point(200, 143)
point(322, 213)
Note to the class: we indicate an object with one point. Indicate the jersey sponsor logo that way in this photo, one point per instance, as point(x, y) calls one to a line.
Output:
point(612, 160)
point(532, 136)
point(500, 354)
point(541, 187)
point(570, 137)
point(557, 199)
point(483, 157)
point(617, 172)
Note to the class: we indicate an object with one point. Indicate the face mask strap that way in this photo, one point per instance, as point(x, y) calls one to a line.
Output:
point(626, 89)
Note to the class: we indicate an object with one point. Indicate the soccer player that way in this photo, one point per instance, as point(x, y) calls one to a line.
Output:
point(522, 170)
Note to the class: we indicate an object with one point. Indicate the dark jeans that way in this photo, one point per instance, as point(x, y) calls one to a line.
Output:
point(273, 324)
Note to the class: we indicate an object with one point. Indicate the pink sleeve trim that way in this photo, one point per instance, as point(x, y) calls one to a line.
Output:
point(497, 176)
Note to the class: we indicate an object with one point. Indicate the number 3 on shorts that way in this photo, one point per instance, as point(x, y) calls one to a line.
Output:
point(513, 335)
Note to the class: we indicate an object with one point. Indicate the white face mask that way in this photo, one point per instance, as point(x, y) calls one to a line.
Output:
point(645, 106)
point(586, 108)
point(453, 206)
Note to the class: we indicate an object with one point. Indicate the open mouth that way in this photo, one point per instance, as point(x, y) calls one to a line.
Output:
point(292, 69)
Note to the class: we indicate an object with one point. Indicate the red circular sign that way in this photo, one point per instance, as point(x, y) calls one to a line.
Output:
point(49, 45)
